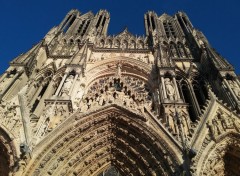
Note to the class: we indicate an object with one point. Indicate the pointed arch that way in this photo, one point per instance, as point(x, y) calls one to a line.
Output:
point(8, 152)
point(221, 157)
point(87, 143)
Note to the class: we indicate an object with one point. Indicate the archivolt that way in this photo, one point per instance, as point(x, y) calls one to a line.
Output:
point(113, 136)
point(8, 153)
point(215, 162)
point(129, 65)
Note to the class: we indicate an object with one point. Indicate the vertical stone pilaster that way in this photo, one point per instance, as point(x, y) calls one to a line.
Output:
point(164, 89)
point(176, 88)
point(61, 84)
point(74, 82)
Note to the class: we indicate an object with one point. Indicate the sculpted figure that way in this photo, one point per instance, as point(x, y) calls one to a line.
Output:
point(141, 107)
point(183, 122)
point(216, 128)
point(80, 93)
point(120, 95)
point(182, 51)
point(83, 106)
point(43, 127)
point(174, 51)
point(164, 51)
point(61, 110)
point(13, 122)
point(67, 85)
point(119, 72)
point(90, 102)
point(101, 100)
point(10, 111)
point(109, 97)
point(170, 122)
point(127, 101)
point(236, 123)
point(169, 89)
point(226, 122)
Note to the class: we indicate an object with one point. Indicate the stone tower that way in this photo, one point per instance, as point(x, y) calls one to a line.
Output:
point(82, 102)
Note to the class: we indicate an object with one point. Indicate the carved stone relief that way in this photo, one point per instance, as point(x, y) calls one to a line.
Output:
point(222, 158)
point(67, 85)
point(170, 89)
point(177, 121)
point(52, 116)
point(221, 124)
point(10, 117)
point(128, 91)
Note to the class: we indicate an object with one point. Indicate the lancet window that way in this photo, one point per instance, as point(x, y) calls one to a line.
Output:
point(194, 94)
point(69, 23)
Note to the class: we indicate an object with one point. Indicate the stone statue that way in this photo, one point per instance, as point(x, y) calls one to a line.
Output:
point(119, 72)
point(67, 85)
point(101, 100)
point(83, 106)
point(216, 129)
point(80, 93)
point(169, 89)
point(164, 51)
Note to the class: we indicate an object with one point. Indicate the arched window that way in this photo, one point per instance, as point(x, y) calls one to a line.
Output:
point(69, 23)
point(71, 42)
point(124, 44)
point(132, 44)
point(109, 43)
point(187, 96)
point(117, 44)
point(200, 91)
point(140, 44)
point(101, 44)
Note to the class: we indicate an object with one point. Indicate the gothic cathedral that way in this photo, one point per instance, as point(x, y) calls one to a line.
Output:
point(82, 102)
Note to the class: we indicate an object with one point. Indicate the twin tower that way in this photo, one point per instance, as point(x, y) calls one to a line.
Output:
point(82, 102)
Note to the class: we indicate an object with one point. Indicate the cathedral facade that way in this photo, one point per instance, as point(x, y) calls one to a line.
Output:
point(82, 102)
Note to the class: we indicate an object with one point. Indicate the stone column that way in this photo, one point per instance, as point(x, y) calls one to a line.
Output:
point(83, 27)
point(176, 88)
point(104, 31)
point(164, 89)
point(73, 84)
point(38, 90)
point(61, 84)
point(195, 101)
point(31, 91)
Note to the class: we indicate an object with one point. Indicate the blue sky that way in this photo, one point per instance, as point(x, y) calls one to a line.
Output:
point(25, 22)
